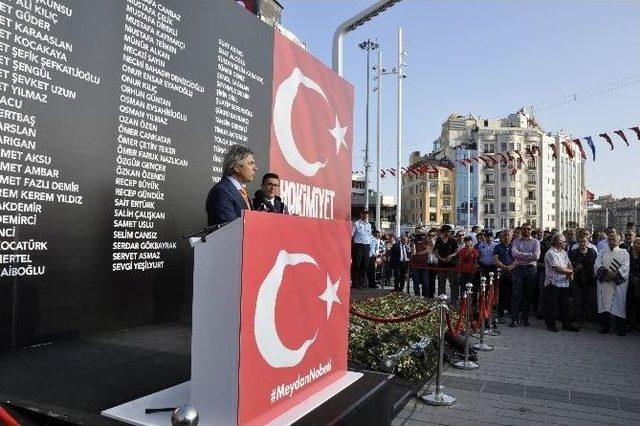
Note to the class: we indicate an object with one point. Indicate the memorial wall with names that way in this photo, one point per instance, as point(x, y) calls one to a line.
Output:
point(114, 117)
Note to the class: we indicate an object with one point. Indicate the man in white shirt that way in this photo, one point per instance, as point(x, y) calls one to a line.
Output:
point(558, 273)
point(376, 251)
point(361, 234)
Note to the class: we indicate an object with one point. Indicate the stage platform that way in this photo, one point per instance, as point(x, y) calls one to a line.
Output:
point(71, 382)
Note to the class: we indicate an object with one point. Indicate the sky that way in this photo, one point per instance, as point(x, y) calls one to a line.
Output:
point(576, 62)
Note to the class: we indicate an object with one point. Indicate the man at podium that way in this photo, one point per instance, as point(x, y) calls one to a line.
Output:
point(228, 198)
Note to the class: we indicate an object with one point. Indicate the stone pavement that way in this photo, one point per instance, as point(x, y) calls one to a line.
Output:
point(536, 377)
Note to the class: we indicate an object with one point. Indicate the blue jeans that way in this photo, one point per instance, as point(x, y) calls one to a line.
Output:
point(524, 282)
point(420, 279)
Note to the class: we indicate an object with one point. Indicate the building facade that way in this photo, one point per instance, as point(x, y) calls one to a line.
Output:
point(547, 190)
point(428, 198)
point(610, 211)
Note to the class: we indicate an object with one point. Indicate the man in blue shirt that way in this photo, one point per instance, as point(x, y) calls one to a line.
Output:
point(485, 255)
point(361, 234)
point(503, 259)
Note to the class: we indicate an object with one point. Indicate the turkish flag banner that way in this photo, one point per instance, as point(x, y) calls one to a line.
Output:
point(311, 134)
point(294, 312)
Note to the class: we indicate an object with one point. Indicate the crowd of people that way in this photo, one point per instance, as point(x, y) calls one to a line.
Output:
point(572, 276)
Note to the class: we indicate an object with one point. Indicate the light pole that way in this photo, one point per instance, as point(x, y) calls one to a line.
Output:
point(353, 23)
point(378, 89)
point(401, 76)
point(368, 46)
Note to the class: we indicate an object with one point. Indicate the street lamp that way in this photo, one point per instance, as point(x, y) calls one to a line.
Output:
point(353, 23)
point(368, 46)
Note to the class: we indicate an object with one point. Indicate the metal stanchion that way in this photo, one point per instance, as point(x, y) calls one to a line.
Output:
point(466, 364)
point(482, 346)
point(500, 319)
point(185, 415)
point(491, 331)
point(439, 398)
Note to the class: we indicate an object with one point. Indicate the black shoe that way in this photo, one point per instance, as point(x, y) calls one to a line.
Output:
point(513, 323)
point(526, 323)
point(570, 327)
point(621, 332)
point(603, 330)
point(552, 327)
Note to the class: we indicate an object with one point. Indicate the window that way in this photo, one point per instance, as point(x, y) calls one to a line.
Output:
point(432, 217)
point(503, 223)
point(470, 169)
point(489, 193)
point(446, 189)
point(511, 147)
point(445, 218)
point(486, 222)
point(512, 207)
point(503, 207)
point(421, 202)
point(486, 123)
point(486, 208)
point(491, 223)
point(432, 202)
point(503, 192)
point(503, 147)
point(488, 178)
point(531, 195)
point(420, 217)
point(413, 204)
point(492, 209)
point(533, 209)
point(531, 178)
point(503, 177)
point(512, 192)
point(512, 223)
point(446, 202)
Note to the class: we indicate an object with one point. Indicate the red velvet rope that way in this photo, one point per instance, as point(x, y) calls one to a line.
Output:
point(6, 419)
point(455, 331)
point(392, 320)
point(435, 268)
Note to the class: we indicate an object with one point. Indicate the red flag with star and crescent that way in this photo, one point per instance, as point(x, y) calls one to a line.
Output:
point(311, 134)
point(294, 312)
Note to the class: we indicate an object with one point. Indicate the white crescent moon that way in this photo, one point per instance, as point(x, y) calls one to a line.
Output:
point(285, 95)
point(265, 331)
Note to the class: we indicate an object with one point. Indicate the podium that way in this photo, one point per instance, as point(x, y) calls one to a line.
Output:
point(270, 323)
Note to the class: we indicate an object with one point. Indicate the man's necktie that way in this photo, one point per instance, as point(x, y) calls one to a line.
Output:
point(243, 192)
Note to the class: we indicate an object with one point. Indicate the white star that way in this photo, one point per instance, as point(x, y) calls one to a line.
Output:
point(330, 294)
point(338, 134)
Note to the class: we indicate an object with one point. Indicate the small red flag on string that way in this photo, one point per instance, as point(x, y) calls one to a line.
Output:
point(622, 135)
point(554, 153)
point(528, 152)
point(393, 172)
point(607, 138)
point(581, 148)
point(382, 173)
point(637, 130)
point(568, 149)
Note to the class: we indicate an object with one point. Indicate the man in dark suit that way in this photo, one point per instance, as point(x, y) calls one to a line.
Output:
point(228, 198)
point(399, 261)
point(266, 199)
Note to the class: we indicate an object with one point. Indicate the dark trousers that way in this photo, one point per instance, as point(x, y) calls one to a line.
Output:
point(557, 303)
point(463, 279)
point(633, 301)
point(360, 260)
point(504, 293)
point(371, 272)
point(431, 290)
point(453, 283)
point(584, 301)
point(523, 286)
point(400, 275)
point(420, 281)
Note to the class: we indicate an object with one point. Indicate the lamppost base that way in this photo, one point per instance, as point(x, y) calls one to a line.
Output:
point(466, 365)
point(482, 347)
point(438, 399)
